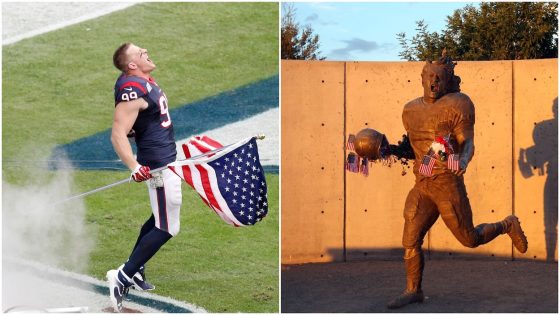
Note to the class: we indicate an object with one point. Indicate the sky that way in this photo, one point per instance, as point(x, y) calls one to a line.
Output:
point(367, 31)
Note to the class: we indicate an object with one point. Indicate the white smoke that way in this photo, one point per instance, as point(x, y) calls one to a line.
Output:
point(35, 226)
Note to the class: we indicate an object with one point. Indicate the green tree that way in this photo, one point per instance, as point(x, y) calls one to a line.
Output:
point(493, 31)
point(294, 44)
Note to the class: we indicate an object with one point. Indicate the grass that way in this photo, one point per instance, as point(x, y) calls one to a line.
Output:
point(211, 264)
point(57, 88)
point(61, 84)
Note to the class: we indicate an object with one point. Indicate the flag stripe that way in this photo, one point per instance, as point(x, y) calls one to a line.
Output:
point(201, 146)
point(193, 149)
point(212, 142)
point(213, 185)
point(197, 184)
point(186, 150)
point(188, 178)
point(427, 165)
point(453, 162)
point(207, 190)
point(187, 175)
point(206, 186)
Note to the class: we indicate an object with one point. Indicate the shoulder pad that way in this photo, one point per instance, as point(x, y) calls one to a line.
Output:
point(413, 103)
point(130, 88)
point(461, 103)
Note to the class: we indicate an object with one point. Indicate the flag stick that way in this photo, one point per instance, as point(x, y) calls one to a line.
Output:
point(128, 179)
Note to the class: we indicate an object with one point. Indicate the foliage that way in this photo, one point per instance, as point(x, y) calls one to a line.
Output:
point(493, 31)
point(296, 45)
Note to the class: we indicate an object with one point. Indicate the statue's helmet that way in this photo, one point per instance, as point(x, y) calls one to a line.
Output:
point(438, 78)
point(370, 144)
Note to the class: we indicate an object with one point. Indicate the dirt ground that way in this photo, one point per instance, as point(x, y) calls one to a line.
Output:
point(449, 285)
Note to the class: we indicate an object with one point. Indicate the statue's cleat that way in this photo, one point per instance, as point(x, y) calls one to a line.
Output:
point(516, 234)
point(406, 298)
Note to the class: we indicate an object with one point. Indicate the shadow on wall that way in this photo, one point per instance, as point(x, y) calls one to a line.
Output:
point(542, 158)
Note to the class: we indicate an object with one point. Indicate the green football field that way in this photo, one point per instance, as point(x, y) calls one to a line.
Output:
point(57, 88)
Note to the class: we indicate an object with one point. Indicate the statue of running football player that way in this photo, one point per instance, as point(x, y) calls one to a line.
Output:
point(440, 128)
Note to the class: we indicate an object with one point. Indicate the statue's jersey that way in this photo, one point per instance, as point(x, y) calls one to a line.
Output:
point(153, 130)
point(452, 114)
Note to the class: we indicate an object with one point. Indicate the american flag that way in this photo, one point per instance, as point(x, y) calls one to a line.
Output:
point(350, 142)
point(353, 163)
point(453, 162)
point(200, 144)
point(230, 181)
point(427, 165)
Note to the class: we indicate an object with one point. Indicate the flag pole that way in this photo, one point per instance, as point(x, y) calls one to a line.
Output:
point(128, 179)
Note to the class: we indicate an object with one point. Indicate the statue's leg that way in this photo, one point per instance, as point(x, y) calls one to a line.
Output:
point(455, 209)
point(420, 214)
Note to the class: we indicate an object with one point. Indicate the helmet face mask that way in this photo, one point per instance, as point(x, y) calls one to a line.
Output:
point(435, 81)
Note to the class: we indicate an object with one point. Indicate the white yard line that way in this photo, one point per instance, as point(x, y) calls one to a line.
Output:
point(27, 19)
point(264, 123)
point(37, 286)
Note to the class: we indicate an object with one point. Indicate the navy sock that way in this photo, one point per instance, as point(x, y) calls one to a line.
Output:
point(147, 247)
point(146, 228)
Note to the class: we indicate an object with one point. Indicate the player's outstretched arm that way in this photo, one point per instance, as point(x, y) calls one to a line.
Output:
point(125, 116)
point(467, 152)
point(464, 130)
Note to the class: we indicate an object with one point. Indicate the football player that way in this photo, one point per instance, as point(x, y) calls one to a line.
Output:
point(141, 112)
point(443, 110)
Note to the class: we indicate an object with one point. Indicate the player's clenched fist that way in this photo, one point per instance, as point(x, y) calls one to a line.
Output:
point(141, 173)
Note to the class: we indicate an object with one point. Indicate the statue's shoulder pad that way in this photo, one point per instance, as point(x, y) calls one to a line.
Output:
point(413, 103)
point(458, 97)
point(461, 102)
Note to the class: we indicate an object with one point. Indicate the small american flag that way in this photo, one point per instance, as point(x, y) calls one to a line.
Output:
point(453, 162)
point(427, 165)
point(230, 181)
point(353, 163)
point(350, 142)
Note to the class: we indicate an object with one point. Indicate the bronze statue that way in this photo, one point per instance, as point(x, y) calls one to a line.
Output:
point(440, 127)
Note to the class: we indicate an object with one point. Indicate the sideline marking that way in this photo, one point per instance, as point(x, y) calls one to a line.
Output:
point(55, 26)
point(230, 106)
point(77, 280)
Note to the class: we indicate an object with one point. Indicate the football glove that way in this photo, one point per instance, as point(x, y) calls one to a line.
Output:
point(141, 173)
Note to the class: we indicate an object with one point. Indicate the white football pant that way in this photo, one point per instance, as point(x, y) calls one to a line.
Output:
point(165, 197)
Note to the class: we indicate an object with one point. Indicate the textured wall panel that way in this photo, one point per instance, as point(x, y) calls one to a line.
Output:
point(312, 165)
point(536, 155)
point(376, 94)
